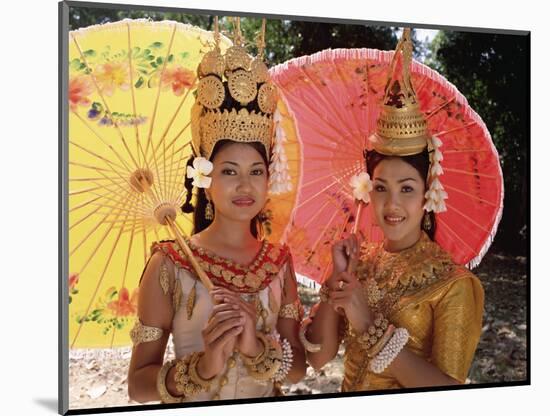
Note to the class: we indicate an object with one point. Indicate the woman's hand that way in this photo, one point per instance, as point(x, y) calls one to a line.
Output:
point(219, 336)
point(247, 342)
point(348, 296)
point(344, 254)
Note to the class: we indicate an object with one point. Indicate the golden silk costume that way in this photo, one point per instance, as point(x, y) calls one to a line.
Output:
point(262, 282)
point(420, 289)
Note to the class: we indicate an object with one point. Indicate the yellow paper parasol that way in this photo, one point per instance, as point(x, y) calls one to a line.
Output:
point(131, 87)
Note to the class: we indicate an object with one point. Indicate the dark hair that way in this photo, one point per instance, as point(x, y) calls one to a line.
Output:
point(199, 221)
point(420, 161)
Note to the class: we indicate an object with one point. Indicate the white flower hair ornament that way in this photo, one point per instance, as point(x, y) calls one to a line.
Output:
point(435, 195)
point(361, 185)
point(199, 172)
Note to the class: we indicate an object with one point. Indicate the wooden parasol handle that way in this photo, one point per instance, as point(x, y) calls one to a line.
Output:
point(181, 241)
point(353, 264)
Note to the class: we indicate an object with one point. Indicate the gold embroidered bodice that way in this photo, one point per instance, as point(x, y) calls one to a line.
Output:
point(227, 273)
point(421, 289)
point(261, 282)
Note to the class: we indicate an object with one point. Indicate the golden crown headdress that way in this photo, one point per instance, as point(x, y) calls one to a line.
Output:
point(246, 81)
point(402, 129)
point(232, 80)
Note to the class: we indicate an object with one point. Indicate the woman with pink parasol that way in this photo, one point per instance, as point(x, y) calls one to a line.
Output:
point(408, 314)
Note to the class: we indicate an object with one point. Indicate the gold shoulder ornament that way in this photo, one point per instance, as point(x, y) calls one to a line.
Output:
point(142, 333)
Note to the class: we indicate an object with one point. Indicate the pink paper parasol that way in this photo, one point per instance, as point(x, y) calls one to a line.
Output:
point(335, 97)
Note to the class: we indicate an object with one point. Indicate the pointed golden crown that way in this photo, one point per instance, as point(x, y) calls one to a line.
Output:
point(401, 129)
point(229, 81)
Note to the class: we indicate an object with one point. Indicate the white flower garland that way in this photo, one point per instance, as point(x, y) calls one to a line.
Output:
point(435, 195)
point(279, 176)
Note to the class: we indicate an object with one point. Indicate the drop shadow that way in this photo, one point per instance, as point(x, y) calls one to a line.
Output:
point(48, 403)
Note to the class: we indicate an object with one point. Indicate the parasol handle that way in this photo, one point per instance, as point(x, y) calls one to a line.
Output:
point(200, 272)
point(352, 264)
point(357, 217)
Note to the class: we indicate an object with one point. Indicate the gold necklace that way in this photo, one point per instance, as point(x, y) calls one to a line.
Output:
point(395, 274)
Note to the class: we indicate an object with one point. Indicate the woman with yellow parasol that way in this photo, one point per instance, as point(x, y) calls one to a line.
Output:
point(235, 333)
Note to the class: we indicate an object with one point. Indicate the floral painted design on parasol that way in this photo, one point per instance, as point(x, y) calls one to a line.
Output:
point(131, 86)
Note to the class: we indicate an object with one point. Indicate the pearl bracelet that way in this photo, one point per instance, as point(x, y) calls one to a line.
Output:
point(287, 359)
point(394, 346)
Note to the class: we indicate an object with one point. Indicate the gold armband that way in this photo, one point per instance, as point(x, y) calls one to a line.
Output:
point(292, 310)
point(165, 396)
point(141, 333)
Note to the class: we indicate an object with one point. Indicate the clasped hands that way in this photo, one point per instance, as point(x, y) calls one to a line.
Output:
point(231, 326)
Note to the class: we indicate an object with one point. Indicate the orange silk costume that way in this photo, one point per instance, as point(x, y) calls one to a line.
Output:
point(420, 289)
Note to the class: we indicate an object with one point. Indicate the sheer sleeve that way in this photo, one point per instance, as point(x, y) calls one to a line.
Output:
point(457, 326)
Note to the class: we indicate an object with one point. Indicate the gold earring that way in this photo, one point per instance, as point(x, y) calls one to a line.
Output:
point(427, 222)
point(261, 216)
point(209, 211)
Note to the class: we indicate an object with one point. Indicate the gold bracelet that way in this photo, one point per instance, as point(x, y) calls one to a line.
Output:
point(309, 346)
point(381, 342)
point(372, 335)
point(251, 361)
point(271, 362)
point(194, 375)
point(324, 294)
point(187, 379)
point(165, 396)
